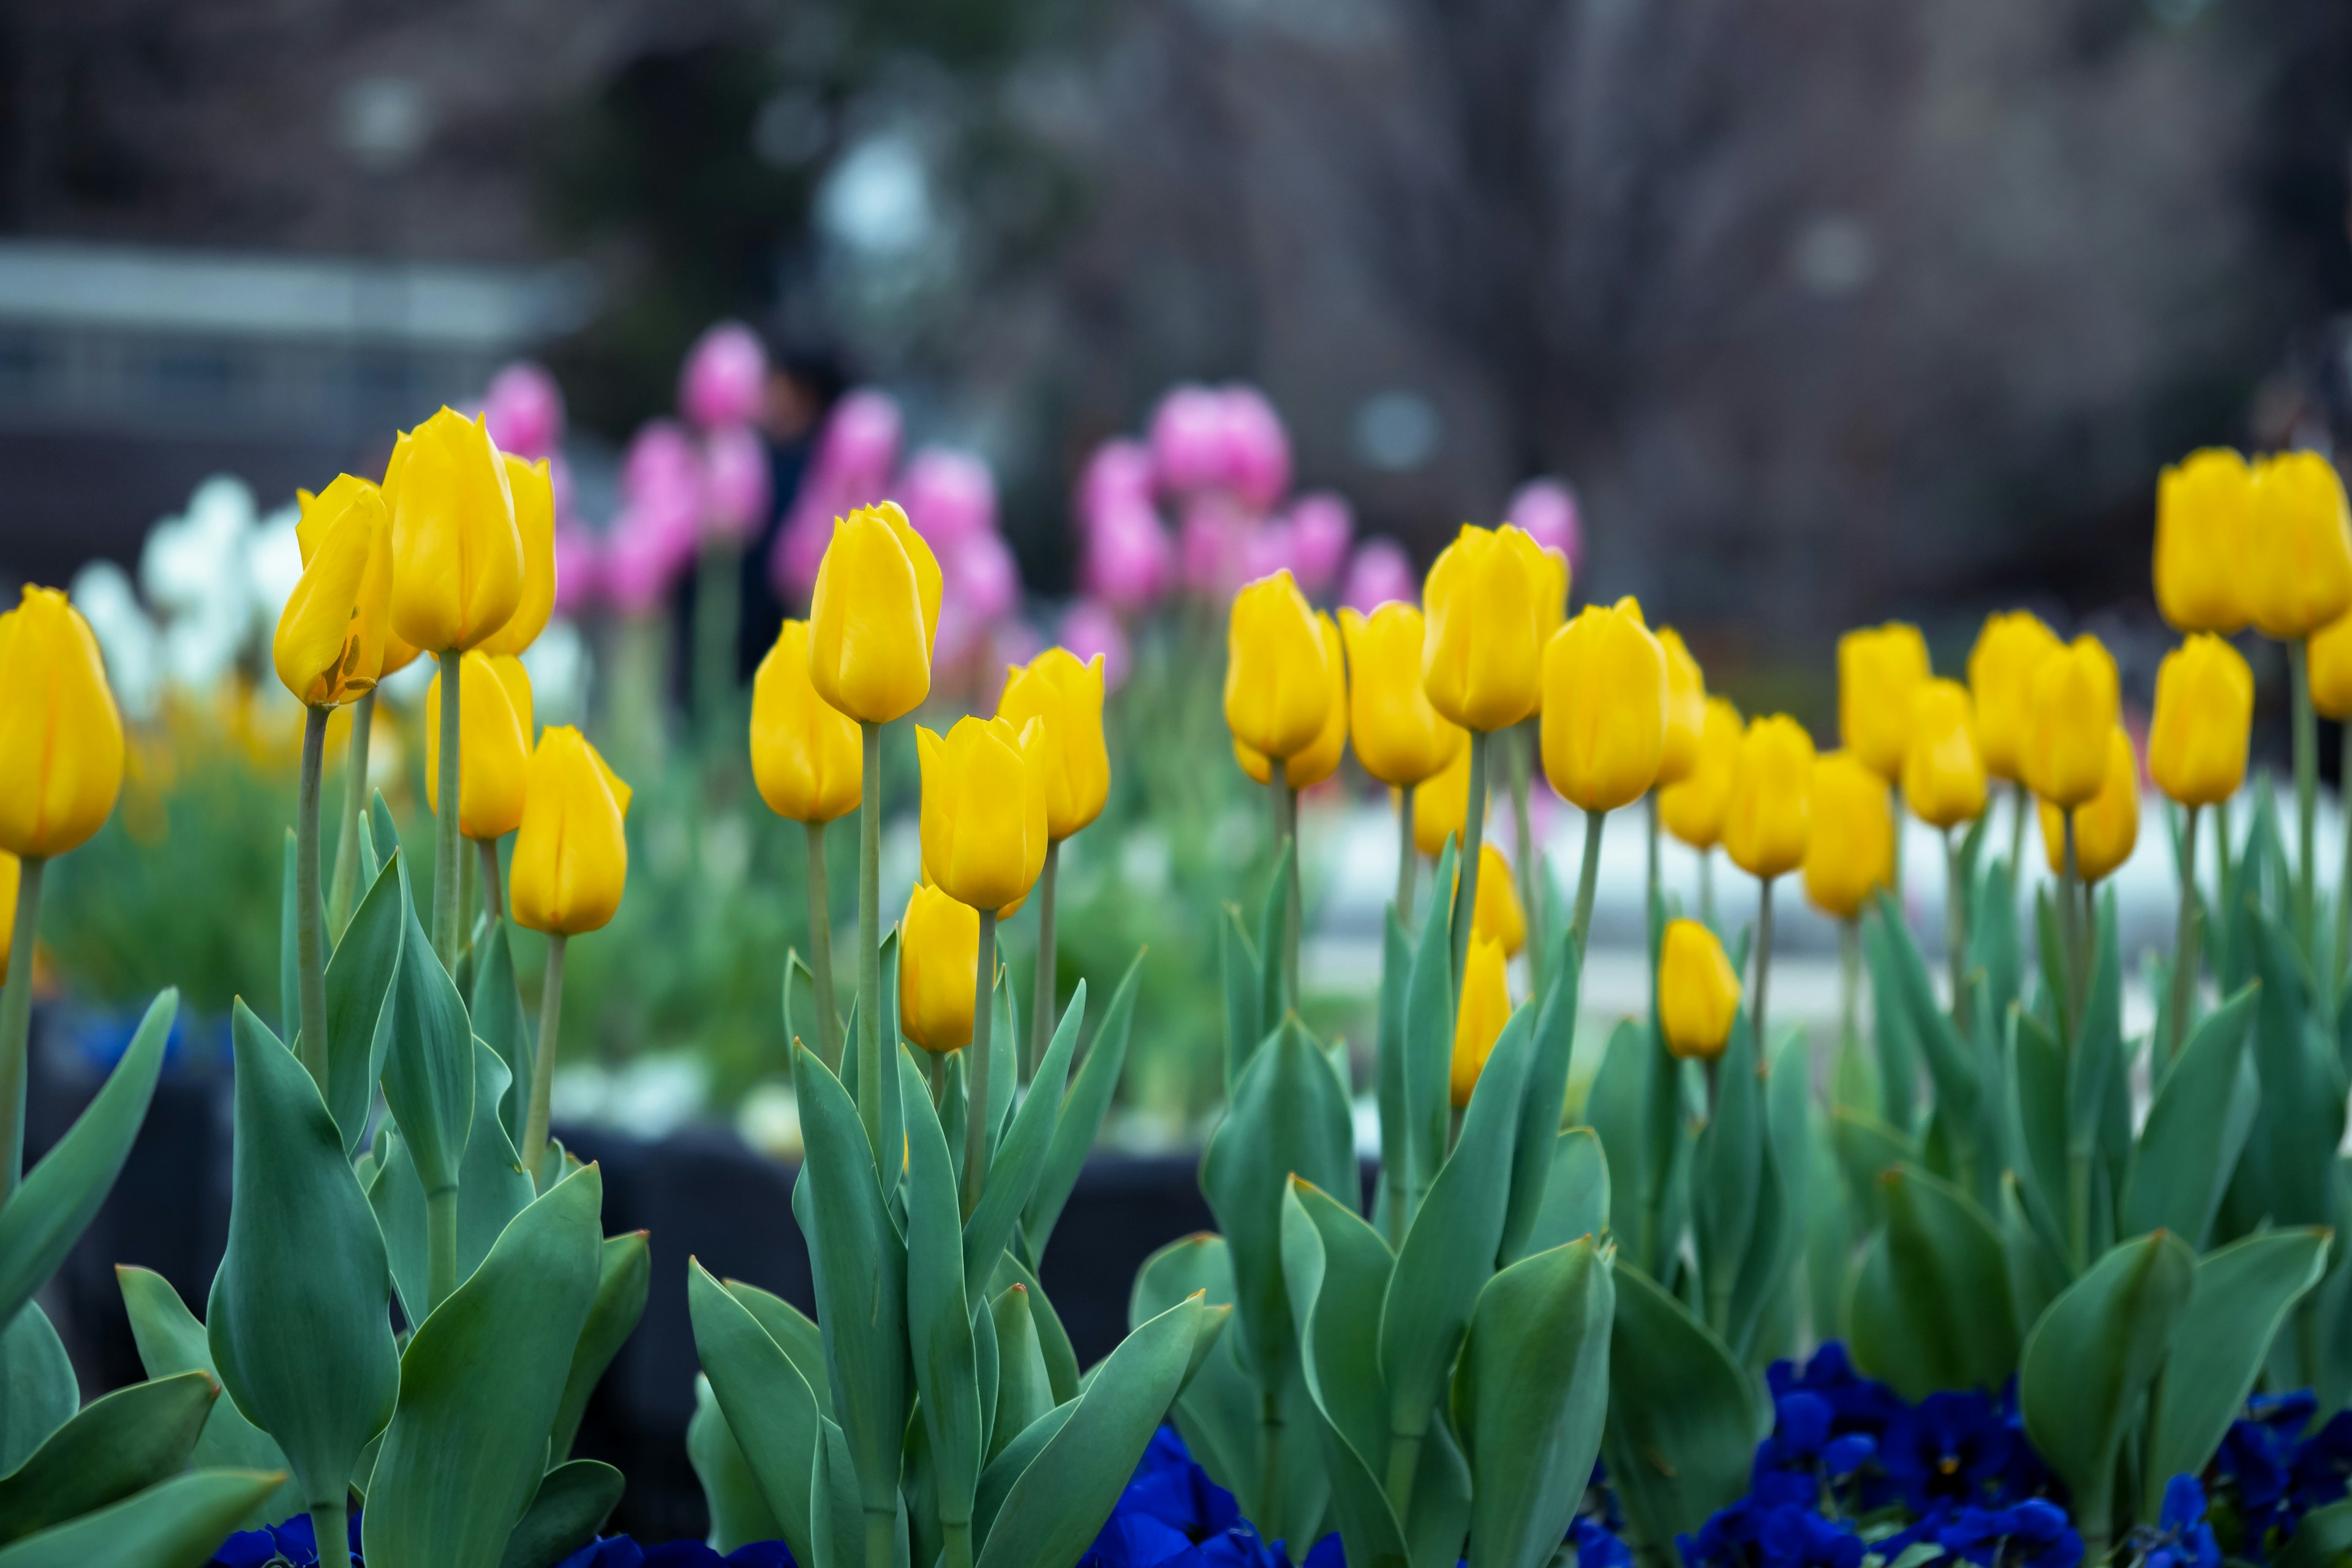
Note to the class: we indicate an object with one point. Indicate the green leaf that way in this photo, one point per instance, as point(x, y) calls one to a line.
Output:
point(1274, 936)
point(38, 1393)
point(1388, 1073)
point(1081, 1114)
point(1576, 1192)
point(1634, 1077)
point(2037, 1263)
point(479, 1383)
point(176, 1523)
point(739, 1511)
point(1237, 968)
point(384, 833)
point(1866, 1149)
point(1530, 1396)
point(624, 1277)
point(1428, 1043)
point(2097, 1062)
point(492, 1189)
point(2037, 1123)
point(428, 1068)
point(939, 1315)
point(61, 1195)
point(801, 1020)
point(772, 1418)
point(498, 1021)
point(1024, 1392)
point(2321, 1538)
point(1020, 1158)
point(1337, 1269)
point(2286, 1173)
point(1682, 1417)
point(170, 1341)
point(359, 980)
point(801, 1341)
point(1930, 1304)
point(1542, 1101)
point(2243, 1291)
point(2186, 1152)
point(1898, 978)
point(323, 1379)
point(1894, 1032)
point(1217, 1413)
point(996, 1482)
point(122, 1443)
point(1727, 1175)
point(573, 1503)
point(1061, 1360)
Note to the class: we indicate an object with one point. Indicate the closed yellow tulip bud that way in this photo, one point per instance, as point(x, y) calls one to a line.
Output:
point(2204, 712)
point(1878, 669)
point(1280, 677)
point(1686, 711)
point(494, 760)
point(457, 556)
point(2008, 650)
point(571, 857)
point(1605, 714)
point(1943, 771)
point(61, 736)
point(11, 872)
point(1321, 758)
point(1767, 821)
point(2204, 522)
point(872, 615)
point(1441, 807)
point(2297, 571)
point(2106, 827)
point(939, 970)
point(1499, 917)
point(534, 510)
point(1068, 697)
point(2074, 706)
point(1698, 994)
point(978, 816)
point(517, 681)
point(1693, 810)
point(805, 755)
point(1850, 853)
point(1401, 740)
point(2330, 655)
point(1485, 1008)
point(329, 647)
point(1494, 597)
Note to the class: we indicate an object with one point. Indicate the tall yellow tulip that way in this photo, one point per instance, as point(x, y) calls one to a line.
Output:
point(516, 679)
point(457, 557)
point(1068, 696)
point(1279, 674)
point(1698, 994)
point(1943, 770)
point(1478, 1019)
point(2009, 651)
point(805, 757)
point(2297, 559)
point(534, 507)
point(1686, 711)
point(61, 736)
point(1878, 669)
point(1693, 810)
point(1768, 821)
point(1320, 759)
point(1850, 851)
point(2107, 826)
point(978, 813)
point(1605, 707)
point(872, 616)
point(2075, 704)
point(1494, 597)
point(494, 761)
point(2330, 653)
point(1441, 806)
point(2204, 522)
point(1398, 736)
point(329, 647)
point(2204, 714)
point(1500, 917)
point(939, 970)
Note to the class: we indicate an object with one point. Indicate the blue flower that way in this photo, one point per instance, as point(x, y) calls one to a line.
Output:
point(1954, 1448)
point(1755, 1534)
point(1856, 1403)
point(1595, 1546)
point(2180, 1537)
point(2034, 1533)
point(293, 1540)
point(1173, 1513)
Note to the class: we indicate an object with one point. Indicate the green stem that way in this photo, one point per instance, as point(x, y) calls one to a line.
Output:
point(494, 902)
point(983, 1018)
point(1530, 860)
point(1404, 1459)
point(1043, 996)
point(1763, 964)
point(955, 1544)
point(717, 609)
point(17, 1022)
point(881, 1537)
point(1587, 878)
point(2070, 910)
point(1894, 812)
point(828, 1021)
point(1408, 856)
point(1707, 888)
point(1849, 986)
point(2344, 877)
point(869, 944)
point(1650, 802)
point(309, 954)
point(2020, 807)
point(330, 1529)
point(2307, 795)
point(2184, 947)
point(1269, 1473)
point(344, 891)
point(542, 1058)
point(1955, 929)
point(448, 932)
point(440, 1246)
point(1287, 805)
point(2078, 1209)
point(1474, 832)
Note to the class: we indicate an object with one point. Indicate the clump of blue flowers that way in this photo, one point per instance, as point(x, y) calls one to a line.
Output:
point(2273, 1469)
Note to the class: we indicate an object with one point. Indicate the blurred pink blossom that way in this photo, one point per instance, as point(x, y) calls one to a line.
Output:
point(1228, 439)
point(524, 409)
point(1117, 473)
point(950, 497)
point(579, 564)
point(735, 482)
point(640, 562)
point(1322, 526)
point(1268, 548)
point(1256, 448)
point(559, 480)
point(1210, 542)
point(1378, 573)
point(1546, 508)
point(1188, 447)
point(1128, 559)
point(724, 381)
point(860, 446)
point(1091, 627)
point(981, 572)
point(661, 468)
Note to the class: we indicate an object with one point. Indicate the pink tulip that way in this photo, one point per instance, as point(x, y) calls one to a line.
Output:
point(1117, 473)
point(798, 552)
point(1210, 542)
point(1256, 448)
point(725, 379)
point(735, 482)
point(525, 410)
point(1322, 527)
point(579, 565)
point(661, 464)
point(559, 480)
point(1091, 627)
point(949, 496)
point(1188, 443)
point(1378, 573)
point(1268, 548)
point(981, 574)
point(1128, 560)
point(1546, 510)
point(640, 564)
point(860, 446)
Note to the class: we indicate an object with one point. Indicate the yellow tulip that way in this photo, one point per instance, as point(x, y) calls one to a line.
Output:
point(1943, 771)
point(1765, 822)
point(1686, 711)
point(328, 648)
point(1494, 597)
point(1485, 1008)
point(534, 510)
point(1280, 677)
point(2204, 712)
point(517, 680)
point(10, 872)
point(494, 760)
point(2204, 522)
point(2297, 572)
point(939, 970)
point(2008, 650)
point(1850, 853)
point(1604, 713)
point(1693, 810)
point(872, 615)
point(1321, 758)
point(1499, 917)
point(805, 756)
point(2106, 827)
point(1878, 669)
point(61, 736)
point(978, 814)
point(570, 856)
point(457, 555)
point(1068, 697)
point(2074, 706)
point(1401, 740)
point(1698, 994)
point(1442, 806)
point(2330, 656)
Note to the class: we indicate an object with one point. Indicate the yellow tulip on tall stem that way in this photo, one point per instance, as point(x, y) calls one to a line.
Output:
point(1284, 682)
point(2331, 693)
point(1604, 725)
point(1767, 824)
point(1398, 736)
point(1693, 809)
point(2074, 707)
point(1944, 785)
point(2009, 649)
point(1878, 669)
point(807, 763)
point(1685, 735)
point(1067, 696)
point(2197, 753)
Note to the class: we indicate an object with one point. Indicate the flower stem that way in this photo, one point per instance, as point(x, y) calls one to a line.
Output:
point(440, 1246)
point(1956, 929)
point(1530, 860)
point(2306, 795)
point(1895, 814)
point(881, 1537)
point(16, 1022)
point(1763, 964)
point(1285, 807)
point(1707, 888)
point(330, 1529)
point(1849, 985)
point(2070, 910)
point(717, 610)
point(1474, 831)
point(820, 902)
point(1042, 998)
point(542, 1058)
point(1587, 879)
point(1408, 856)
point(344, 891)
point(2184, 947)
point(2344, 879)
point(493, 893)
point(2020, 807)
point(869, 944)
point(310, 955)
point(955, 1544)
point(448, 860)
point(983, 1016)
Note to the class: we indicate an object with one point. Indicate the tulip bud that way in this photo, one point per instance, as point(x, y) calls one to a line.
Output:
point(1441, 807)
point(2204, 521)
point(457, 555)
point(60, 737)
point(1605, 714)
point(1878, 669)
point(1765, 822)
point(2107, 826)
point(1321, 758)
point(1850, 853)
point(2297, 571)
point(2008, 650)
point(1499, 917)
point(1494, 598)
point(872, 616)
point(494, 761)
point(939, 970)
point(2204, 712)
point(978, 816)
point(516, 679)
point(1485, 1008)
point(1401, 740)
point(2074, 706)
point(2330, 656)
point(1693, 810)
point(1686, 711)
point(534, 510)
point(1068, 696)
point(571, 857)
point(1943, 771)
point(805, 755)
point(329, 647)
point(1699, 994)
point(1279, 675)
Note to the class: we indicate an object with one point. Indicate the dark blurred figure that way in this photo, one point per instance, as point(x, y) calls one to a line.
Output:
point(803, 384)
